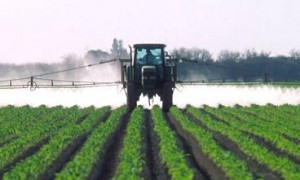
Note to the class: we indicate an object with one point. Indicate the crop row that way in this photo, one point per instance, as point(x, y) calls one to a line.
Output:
point(12, 120)
point(279, 164)
point(262, 129)
point(287, 121)
point(233, 167)
point(16, 147)
point(216, 143)
point(132, 157)
point(170, 152)
point(278, 114)
point(37, 164)
point(93, 149)
point(41, 131)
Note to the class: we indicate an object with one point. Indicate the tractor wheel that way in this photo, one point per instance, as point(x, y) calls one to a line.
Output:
point(167, 97)
point(131, 97)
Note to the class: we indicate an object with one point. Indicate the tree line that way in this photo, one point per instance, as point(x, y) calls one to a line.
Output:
point(236, 66)
point(12, 71)
point(249, 65)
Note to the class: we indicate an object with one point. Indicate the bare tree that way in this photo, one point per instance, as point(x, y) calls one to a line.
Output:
point(193, 54)
point(229, 56)
point(249, 54)
point(295, 54)
point(118, 50)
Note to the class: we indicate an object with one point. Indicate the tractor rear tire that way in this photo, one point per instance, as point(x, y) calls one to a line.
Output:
point(131, 97)
point(167, 97)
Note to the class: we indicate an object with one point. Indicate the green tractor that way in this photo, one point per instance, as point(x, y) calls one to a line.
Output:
point(150, 71)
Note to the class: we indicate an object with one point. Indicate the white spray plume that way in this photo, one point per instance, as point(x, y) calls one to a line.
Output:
point(214, 95)
point(98, 96)
point(115, 97)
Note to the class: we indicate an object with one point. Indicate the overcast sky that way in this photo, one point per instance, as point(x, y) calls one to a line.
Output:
point(46, 30)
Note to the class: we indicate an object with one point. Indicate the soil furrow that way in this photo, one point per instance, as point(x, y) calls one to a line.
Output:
point(256, 116)
point(294, 140)
point(72, 150)
point(272, 148)
point(27, 153)
point(102, 118)
point(154, 166)
point(187, 150)
point(64, 157)
point(258, 169)
point(81, 118)
point(265, 143)
point(206, 165)
point(212, 115)
point(108, 160)
point(8, 141)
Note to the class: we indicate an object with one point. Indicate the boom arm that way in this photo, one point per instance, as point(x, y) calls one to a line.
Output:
point(32, 81)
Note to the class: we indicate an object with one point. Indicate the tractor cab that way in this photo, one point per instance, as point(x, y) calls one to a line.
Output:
point(149, 75)
point(149, 63)
point(149, 55)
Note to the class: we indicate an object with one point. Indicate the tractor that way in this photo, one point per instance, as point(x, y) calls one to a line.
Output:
point(150, 71)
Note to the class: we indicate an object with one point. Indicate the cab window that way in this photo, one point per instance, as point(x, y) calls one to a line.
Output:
point(149, 56)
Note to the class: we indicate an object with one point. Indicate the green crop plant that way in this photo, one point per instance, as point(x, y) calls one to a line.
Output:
point(40, 131)
point(132, 157)
point(261, 129)
point(228, 162)
point(283, 121)
point(169, 151)
point(280, 164)
point(81, 166)
point(34, 166)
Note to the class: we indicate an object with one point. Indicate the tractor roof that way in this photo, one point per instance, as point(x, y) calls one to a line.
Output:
point(149, 45)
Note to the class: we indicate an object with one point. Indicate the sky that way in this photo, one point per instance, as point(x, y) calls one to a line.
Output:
point(46, 31)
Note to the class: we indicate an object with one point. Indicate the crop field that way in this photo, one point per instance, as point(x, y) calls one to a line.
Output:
point(255, 142)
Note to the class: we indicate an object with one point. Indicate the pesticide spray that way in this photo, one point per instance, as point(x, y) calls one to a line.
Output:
point(212, 95)
point(230, 95)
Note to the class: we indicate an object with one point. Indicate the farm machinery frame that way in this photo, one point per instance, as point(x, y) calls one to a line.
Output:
point(150, 71)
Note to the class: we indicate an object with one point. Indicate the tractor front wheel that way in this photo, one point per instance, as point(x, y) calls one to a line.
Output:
point(167, 97)
point(131, 97)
